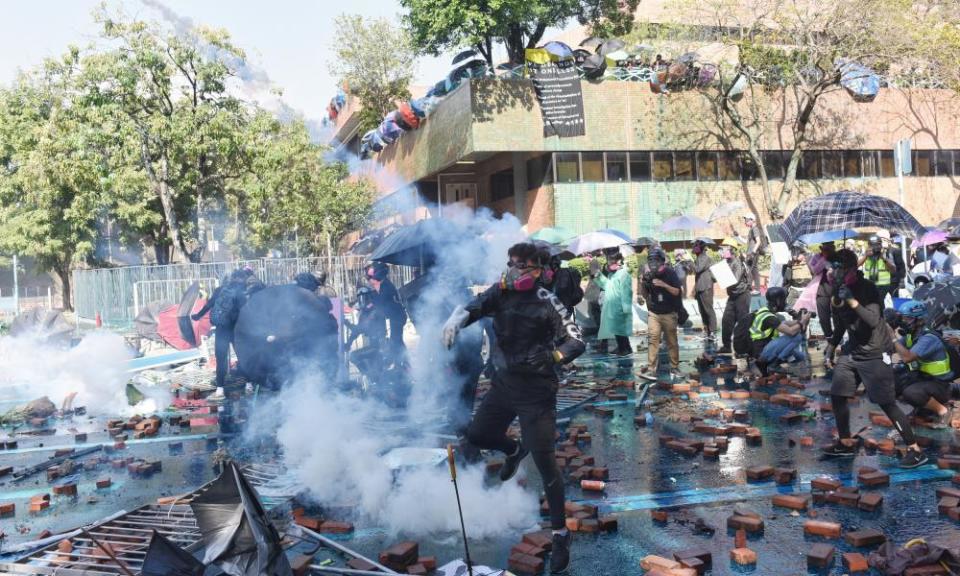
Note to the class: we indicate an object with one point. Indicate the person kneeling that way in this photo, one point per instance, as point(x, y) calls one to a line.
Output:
point(925, 381)
point(769, 348)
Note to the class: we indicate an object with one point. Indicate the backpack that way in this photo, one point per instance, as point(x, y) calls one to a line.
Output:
point(742, 343)
point(226, 307)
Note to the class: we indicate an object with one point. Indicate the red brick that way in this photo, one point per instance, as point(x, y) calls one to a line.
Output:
point(865, 538)
point(300, 564)
point(880, 419)
point(874, 479)
point(747, 523)
point(928, 570)
point(826, 484)
point(309, 523)
point(946, 503)
point(336, 527)
point(7, 509)
point(870, 502)
point(542, 539)
point(760, 472)
point(820, 528)
point(658, 515)
point(608, 523)
point(740, 539)
point(785, 476)
point(853, 563)
point(820, 556)
point(360, 564)
point(789, 501)
point(104, 483)
point(653, 562)
point(417, 569)
point(430, 562)
point(524, 564)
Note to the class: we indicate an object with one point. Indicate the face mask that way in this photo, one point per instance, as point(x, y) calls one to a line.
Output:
point(847, 277)
point(613, 266)
point(548, 275)
point(519, 280)
point(697, 250)
point(726, 254)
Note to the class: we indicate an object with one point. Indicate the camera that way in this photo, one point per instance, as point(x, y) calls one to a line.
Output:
point(648, 276)
point(796, 314)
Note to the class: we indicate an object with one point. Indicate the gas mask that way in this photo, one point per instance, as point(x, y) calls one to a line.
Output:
point(726, 254)
point(613, 266)
point(520, 279)
point(697, 249)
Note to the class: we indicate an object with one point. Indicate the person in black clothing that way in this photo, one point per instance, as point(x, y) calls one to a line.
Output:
point(660, 287)
point(858, 312)
point(224, 307)
point(703, 288)
point(534, 336)
point(565, 283)
point(387, 300)
point(738, 296)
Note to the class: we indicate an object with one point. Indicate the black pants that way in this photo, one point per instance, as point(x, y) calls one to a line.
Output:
point(737, 307)
point(538, 425)
point(707, 313)
point(878, 379)
point(824, 315)
point(396, 332)
point(917, 389)
point(221, 347)
point(753, 265)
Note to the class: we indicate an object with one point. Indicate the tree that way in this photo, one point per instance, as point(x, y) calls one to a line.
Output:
point(440, 25)
point(375, 61)
point(52, 169)
point(292, 190)
point(179, 124)
point(790, 54)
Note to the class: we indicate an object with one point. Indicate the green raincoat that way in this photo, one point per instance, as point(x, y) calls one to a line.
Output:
point(616, 318)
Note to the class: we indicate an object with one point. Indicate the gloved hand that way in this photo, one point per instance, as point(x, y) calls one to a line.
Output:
point(196, 317)
point(844, 293)
point(457, 320)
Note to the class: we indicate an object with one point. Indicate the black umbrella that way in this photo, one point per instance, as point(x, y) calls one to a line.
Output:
point(234, 529)
point(463, 56)
point(845, 210)
point(594, 66)
point(942, 298)
point(949, 223)
point(645, 242)
point(184, 310)
point(591, 43)
point(579, 55)
point(611, 45)
point(164, 558)
point(555, 250)
point(415, 245)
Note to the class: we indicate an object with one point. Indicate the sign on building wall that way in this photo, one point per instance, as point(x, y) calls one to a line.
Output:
point(557, 85)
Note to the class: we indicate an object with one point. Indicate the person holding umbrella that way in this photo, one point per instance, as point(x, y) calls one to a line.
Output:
point(878, 267)
point(924, 381)
point(738, 295)
point(616, 316)
point(703, 287)
point(858, 314)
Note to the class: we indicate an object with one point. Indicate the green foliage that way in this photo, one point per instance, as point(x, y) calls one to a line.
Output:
point(441, 25)
point(375, 61)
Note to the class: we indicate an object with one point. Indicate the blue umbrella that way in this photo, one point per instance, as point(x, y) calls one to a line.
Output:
point(626, 237)
point(684, 222)
point(558, 50)
point(828, 236)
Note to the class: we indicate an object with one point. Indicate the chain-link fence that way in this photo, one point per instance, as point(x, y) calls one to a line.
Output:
point(116, 294)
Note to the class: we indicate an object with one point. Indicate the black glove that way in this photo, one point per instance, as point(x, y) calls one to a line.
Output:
point(196, 317)
point(844, 293)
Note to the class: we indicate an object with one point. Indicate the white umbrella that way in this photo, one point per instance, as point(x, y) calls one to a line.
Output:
point(684, 222)
point(724, 210)
point(593, 241)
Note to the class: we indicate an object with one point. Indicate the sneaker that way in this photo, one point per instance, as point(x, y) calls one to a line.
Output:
point(512, 463)
point(560, 554)
point(913, 459)
point(839, 449)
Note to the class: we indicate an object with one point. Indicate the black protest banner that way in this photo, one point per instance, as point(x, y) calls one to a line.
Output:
point(557, 85)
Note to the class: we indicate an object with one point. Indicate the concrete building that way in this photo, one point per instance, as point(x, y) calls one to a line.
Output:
point(646, 157)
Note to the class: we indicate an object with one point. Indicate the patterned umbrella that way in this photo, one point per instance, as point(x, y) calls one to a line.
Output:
point(942, 298)
point(842, 210)
point(949, 223)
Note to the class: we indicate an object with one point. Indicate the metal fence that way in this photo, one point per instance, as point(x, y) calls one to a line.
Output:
point(118, 293)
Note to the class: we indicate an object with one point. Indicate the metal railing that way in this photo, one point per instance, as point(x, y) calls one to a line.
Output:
point(118, 293)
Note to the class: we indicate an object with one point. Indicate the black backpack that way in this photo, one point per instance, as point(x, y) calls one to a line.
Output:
point(742, 343)
point(226, 307)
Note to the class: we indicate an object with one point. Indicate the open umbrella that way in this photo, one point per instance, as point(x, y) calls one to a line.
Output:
point(725, 210)
point(626, 237)
point(594, 66)
point(688, 58)
point(554, 235)
point(942, 298)
point(611, 45)
point(579, 55)
point(463, 56)
point(684, 222)
point(828, 236)
point(234, 529)
point(616, 56)
point(558, 50)
point(949, 223)
point(164, 558)
point(414, 245)
point(591, 43)
point(645, 242)
point(554, 250)
point(844, 210)
point(705, 240)
point(593, 241)
point(932, 237)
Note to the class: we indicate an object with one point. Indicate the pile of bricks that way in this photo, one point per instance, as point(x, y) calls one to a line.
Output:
point(404, 557)
point(829, 490)
point(585, 518)
point(65, 489)
point(321, 525)
point(39, 503)
point(527, 557)
point(143, 468)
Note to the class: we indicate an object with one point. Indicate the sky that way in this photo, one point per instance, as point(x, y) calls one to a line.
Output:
point(289, 39)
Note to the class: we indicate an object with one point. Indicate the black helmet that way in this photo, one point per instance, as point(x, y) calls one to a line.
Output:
point(377, 271)
point(657, 254)
point(777, 299)
point(307, 281)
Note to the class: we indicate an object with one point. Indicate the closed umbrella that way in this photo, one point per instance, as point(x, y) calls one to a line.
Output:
point(844, 210)
point(594, 241)
point(942, 298)
point(684, 222)
point(726, 210)
point(932, 237)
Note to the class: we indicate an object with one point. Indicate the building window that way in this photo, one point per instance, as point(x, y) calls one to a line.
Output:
point(539, 171)
point(707, 166)
point(684, 166)
point(639, 166)
point(871, 169)
point(501, 185)
point(773, 163)
point(943, 162)
point(592, 163)
point(923, 163)
point(663, 166)
point(832, 164)
point(568, 167)
point(887, 165)
point(616, 166)
point(729, 167)
point(810, 166)
point(748, 168)
point(956, 163)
